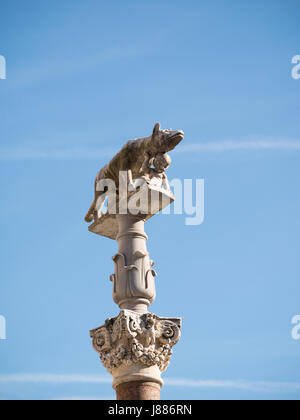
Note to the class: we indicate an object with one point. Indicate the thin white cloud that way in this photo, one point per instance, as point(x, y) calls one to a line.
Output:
point(23, 154)
point(49, 378)
point(111, 398)
point(249, 145)
point(64, 66)
point(58, 154)
point(57, 379)
point(255, 386)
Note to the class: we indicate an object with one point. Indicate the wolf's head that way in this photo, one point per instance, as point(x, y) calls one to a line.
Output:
point(166, 140)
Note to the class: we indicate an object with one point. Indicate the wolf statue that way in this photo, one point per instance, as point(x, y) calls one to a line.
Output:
point(137, 158)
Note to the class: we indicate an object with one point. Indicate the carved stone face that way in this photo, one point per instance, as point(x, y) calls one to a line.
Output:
point(161, 162)
point(167, 138)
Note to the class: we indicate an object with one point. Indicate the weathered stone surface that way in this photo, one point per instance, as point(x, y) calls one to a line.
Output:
point(138, 391)
point(141, 158)
point(157, 200)
point(136, 347)
point(133, 280)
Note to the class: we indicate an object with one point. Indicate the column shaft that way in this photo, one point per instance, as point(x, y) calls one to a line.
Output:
point(138, 391)
point(134, 285)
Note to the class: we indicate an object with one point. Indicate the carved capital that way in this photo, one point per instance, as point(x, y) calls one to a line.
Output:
point(136, 340)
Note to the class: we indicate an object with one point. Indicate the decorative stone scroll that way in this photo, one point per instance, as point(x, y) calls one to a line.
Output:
point(136, 340)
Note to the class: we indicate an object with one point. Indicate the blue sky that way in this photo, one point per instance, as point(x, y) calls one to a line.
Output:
point(84, 77)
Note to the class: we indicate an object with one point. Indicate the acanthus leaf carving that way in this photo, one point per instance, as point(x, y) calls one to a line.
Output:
point(134, 338)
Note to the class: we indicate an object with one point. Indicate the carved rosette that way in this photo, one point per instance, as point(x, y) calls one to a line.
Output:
point(136, 339)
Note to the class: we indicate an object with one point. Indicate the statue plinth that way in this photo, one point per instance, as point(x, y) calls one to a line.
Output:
point(155, 200)
point(135, 347)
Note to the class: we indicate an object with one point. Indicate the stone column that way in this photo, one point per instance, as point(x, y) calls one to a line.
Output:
point(136, 346)
point(133, 281)
point(138, 391)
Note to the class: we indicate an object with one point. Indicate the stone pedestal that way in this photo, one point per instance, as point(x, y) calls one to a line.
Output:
point(136, 346)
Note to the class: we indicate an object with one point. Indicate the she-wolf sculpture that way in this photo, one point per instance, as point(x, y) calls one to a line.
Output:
point(136, 158)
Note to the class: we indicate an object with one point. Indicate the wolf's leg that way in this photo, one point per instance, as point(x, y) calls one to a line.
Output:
point(131, 184)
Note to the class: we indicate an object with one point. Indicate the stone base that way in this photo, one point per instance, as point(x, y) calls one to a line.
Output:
point(138, 391)
point(158, 199)
point(137, 372)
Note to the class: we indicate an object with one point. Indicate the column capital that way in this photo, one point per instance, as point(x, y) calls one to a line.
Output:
point(136, 347)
